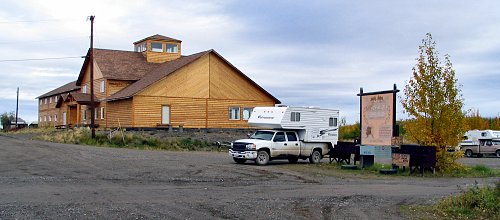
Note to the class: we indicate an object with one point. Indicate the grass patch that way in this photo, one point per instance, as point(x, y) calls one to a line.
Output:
point(474, 203)
point(127, 140)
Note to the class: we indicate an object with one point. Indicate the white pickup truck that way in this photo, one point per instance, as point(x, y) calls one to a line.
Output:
point(295, 133)
point(266, 145)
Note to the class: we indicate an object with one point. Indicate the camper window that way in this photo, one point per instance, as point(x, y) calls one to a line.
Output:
point(234, 113)
point(295, 116)
point(279, 137)
point(332, 122)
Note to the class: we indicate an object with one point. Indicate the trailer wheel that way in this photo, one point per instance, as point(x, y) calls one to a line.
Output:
point(262, 158)
point(468, 153)
point(239, 160)
point(315, 157)
point(498, 153)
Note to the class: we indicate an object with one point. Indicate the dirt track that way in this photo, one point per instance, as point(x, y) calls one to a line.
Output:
point(59, 181)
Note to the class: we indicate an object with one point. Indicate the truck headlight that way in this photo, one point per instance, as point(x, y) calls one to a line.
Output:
point(231, 144)
point(250, 146)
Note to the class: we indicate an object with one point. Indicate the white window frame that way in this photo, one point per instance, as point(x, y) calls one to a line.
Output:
point(45, 100)
point(295, 116)
point(40, 119)
point(55, 99)
point(249, 110)
point(333, 122)
point(50, 99)
point(55, 117)
point(84, 114)
point(45, 118)
point(96, 113)
point(50, 118)
point(236, 116)
point(102, 86)
point(166, 119)
point(41, 101)
point(84, 90)
point(102, 112)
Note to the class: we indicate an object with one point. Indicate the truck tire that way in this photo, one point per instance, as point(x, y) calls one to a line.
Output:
point(239, 160)
point(262, 158)
point(498, 153)
point(468, 153)
point(293, 159)
point(315, 157)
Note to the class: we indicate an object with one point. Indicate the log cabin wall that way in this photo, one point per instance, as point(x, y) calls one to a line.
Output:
point(120, 113)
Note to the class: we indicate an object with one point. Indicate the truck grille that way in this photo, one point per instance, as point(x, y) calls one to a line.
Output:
point(239, 146)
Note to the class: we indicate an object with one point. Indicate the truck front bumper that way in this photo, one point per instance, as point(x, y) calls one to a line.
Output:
point(250, 155)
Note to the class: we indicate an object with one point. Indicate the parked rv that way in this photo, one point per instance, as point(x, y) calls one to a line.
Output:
point(292, 133)
point(479, 142)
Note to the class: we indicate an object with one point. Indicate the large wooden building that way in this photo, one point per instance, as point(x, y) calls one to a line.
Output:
point(156, 86)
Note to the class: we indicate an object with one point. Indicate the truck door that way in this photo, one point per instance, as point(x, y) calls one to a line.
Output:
point(293, 144)
point(279, 145)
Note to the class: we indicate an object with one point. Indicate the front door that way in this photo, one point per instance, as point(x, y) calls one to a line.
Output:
point(279, 145)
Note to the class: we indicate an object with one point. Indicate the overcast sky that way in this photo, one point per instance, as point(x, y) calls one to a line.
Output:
point(305, 53)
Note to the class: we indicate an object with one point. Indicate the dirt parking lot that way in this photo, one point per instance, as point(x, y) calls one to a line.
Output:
point(41, 180)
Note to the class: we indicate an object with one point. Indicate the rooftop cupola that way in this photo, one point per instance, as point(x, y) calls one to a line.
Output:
point(158, 48)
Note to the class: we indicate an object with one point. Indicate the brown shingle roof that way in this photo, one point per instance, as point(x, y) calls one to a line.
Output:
point(117, 64)
point(158, 37)
point(164, 70)
point(65, 88)
point(82, 98)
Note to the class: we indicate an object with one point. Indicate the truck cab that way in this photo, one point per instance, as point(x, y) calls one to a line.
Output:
point(266, 145)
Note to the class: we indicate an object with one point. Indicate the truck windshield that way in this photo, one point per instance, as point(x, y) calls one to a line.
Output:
point(262, 135)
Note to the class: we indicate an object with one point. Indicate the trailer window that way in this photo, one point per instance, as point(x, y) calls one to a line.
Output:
point(333, 122)
point(295, 116)
point(291, 136)
point(246, 113)
point(279, 137)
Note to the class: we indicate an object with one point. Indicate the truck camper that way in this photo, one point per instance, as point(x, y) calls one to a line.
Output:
point(291, 133)
point(479, 142)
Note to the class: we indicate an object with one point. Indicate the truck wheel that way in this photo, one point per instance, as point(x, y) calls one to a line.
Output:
point(293, 159)
point(239, 160)
point(468, 153)
point(498, 153)
point(262, 158)
point(315, 157)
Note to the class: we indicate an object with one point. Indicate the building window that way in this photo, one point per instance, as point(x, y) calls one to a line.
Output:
point(40, 118)
point(41, 102)
point(84, 90)
point(332, 122)
point(172, 48)
point(295, 116)
point(45, 118)
point(45, 100)
point(50, 118)
point(234, 113)
point(55, 99)
point(55, 117)
point(165, 114)
point(102, 86)
point(84, 115)
point(96, 111)
point(102, 112)
point(50, 99)
point(246, 113)
point(156, 47)
point(140, 47)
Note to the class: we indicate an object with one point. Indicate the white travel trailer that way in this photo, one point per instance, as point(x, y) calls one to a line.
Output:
point(292, 133)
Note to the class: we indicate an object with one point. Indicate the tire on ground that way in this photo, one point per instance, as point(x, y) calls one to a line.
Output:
point(262, 158)
point(315, 157)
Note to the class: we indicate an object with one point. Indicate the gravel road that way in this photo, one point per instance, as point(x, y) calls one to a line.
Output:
point(42, 180)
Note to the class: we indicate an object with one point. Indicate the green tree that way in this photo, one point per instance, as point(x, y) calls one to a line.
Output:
point(433, 102)
point(6, 119)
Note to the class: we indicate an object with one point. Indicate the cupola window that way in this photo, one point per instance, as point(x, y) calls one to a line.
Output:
point(172, 48)
point(140, 47)
point(156, 47)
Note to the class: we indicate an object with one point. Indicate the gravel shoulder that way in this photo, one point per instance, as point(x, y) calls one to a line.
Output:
point(45, 180)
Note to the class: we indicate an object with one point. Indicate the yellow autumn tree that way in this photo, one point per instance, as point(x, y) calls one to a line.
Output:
point(433, 102)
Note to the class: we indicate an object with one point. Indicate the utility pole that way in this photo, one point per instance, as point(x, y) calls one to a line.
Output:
point(17, 106)
point(91, 60)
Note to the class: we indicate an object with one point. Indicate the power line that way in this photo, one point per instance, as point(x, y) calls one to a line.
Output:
point(35, 41)
point(38, 59)
point(36, 21)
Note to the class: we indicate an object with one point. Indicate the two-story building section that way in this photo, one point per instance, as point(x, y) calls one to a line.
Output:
point(155, 86)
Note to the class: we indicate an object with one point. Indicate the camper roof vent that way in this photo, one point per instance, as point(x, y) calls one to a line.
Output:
point(280, 105)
